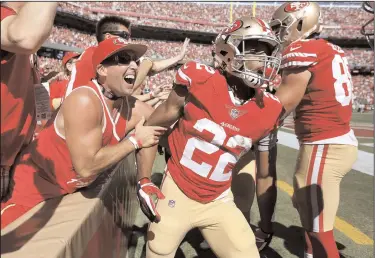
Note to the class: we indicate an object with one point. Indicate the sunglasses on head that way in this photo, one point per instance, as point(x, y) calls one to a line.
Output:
point(121, 34)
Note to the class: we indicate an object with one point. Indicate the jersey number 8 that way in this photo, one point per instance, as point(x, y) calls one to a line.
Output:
point(343, 80)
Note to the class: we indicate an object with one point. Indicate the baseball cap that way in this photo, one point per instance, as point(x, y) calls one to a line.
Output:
point(68, 56)
point(114, 45)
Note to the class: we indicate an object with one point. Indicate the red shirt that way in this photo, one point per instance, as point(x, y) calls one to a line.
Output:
point(50, 154)
point(57, 89)
point(83, 71)
point(326, 108)
point(18, 76)
point(213, 133)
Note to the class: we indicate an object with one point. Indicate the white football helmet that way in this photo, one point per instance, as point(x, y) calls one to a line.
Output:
point(296, 20)
point(367, 30)
point(248, 50)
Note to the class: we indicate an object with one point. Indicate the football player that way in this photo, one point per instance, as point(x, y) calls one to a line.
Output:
point(316, 82)
point(220, 115)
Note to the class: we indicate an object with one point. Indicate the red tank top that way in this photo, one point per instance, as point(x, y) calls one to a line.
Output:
point(50, 152)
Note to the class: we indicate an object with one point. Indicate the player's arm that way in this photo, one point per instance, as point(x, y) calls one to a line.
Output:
point(171, 110)
point(25, 32)
point(145, 156)
point(266, 155)
point(292, 88)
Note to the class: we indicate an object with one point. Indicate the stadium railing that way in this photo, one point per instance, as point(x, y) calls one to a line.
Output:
point(92, 223)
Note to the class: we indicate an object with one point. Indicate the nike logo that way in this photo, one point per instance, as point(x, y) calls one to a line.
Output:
point(294, 48)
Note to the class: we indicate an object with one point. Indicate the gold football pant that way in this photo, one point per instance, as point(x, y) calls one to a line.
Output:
point(221, 223)
point(317, 178)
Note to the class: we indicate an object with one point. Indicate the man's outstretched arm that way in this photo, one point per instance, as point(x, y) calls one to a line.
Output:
point(148, 67)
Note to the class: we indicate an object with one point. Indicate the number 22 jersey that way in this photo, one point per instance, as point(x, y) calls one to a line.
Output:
point(213, 132)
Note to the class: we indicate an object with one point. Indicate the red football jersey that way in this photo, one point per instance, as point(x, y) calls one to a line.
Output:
point(214, 133)
point(326, 108)
point(18, 75)
point(46, 162)
point(83, 71)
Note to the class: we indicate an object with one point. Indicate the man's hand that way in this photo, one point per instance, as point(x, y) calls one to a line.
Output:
point(145, 189)
point(184, 49)
point(147, 136)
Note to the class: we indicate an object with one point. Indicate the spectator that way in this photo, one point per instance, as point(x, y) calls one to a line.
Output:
point(111, 26)
point(58, 87)
point(20, 38)
point(85, 137)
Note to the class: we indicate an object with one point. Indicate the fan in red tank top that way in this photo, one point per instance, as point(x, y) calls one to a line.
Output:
point(114, 26)
point(220, 116)
point(86, 136)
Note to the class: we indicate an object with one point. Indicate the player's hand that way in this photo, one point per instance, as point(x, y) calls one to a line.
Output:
point(184, 49)
point(145, 189)
point(147, 136)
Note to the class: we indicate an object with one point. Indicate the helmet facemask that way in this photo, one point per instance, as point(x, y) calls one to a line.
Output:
point(254, 58)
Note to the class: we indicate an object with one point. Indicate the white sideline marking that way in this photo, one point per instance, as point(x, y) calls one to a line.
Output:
point(364, 163)
point(370, 144)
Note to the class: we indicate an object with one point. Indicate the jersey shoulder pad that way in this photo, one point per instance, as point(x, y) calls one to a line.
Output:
point(302, 53)
point(193, 73)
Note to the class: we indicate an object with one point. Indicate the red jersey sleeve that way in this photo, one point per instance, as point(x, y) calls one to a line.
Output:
point(300, 54)
point(6, 12)
point(192, 74)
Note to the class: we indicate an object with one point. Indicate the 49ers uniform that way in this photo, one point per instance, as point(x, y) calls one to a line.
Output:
point(322, 124)
point(45, 169)
point(214, 133)
point(205, 144)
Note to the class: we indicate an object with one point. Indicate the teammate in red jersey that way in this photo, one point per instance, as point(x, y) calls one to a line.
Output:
point(21, 37)
point(86, 136)
point(316, 82)
point(219, 117)
point(113, 26)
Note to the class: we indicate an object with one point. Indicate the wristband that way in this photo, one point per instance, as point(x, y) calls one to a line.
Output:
point(134, 142)
point(137, 143)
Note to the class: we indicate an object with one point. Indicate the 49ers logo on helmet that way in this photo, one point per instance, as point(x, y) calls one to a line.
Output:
point(235, 26)
point(295, 6)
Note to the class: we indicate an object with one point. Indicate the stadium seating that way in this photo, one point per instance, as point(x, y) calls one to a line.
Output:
point(339, 20)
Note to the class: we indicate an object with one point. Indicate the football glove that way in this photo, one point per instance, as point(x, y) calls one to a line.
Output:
point(145, 189)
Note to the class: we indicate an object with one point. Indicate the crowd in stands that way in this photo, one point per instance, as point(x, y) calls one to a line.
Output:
point(162, 49)
point(341, 21)
point(217, 15)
